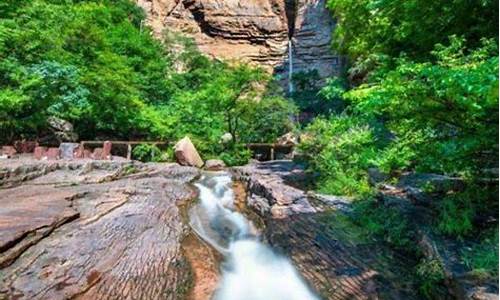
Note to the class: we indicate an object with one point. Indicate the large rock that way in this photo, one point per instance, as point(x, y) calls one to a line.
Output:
point(62, 130)
point(106, 150)
point(8, 151)
point(68, 150)
point(288, 139)
point(39, 152)
point(214, 165)
point(186, 153)
point(255, 31)
point(114, 239)
point(53, 153)
point(269, 190)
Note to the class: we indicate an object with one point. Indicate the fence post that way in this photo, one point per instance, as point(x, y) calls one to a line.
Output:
point(129, 151)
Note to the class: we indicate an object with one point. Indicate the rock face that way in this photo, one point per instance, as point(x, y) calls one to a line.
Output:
point(337, 262)
point(256, 31)
point(214, 165)
point(62, 130)
point(311, 230)
point(186, 153)
point(92, 230)
point(68, 150)
point(268, 191)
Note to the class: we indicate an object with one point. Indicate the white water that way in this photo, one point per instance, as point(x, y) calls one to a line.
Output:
point(290, 66)
point(252, 271)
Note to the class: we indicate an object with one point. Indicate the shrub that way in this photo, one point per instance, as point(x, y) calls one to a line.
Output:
point(431, 275)
point(148, 153)
point(237, 155)
point(340, 149)
point(482, 258)
point(384, 222)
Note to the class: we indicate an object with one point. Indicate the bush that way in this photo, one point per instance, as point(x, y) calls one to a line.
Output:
point(384, 222)
point(431, 275)
point(482, 258)
point(90, 63)
point(149, 153)
point(456, 214)
point(236, 156)
point(340, 149)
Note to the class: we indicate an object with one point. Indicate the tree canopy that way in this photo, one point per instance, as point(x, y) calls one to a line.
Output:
point(93, 63)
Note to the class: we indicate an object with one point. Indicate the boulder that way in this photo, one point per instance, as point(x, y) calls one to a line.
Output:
point(422, 188)
point(62, 129)
point(435, 183)
point(375, 176)
point(186, 153)
point(79, 152)
point(226, 138)
point(288, 139)
point(69, 150)
point(214, 165)
point(59, 124)
point(97, 154)
point(87, 153)
point(269, 190)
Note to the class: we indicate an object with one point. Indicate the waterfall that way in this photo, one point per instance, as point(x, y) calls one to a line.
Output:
point(290, 66)
point(251, 270)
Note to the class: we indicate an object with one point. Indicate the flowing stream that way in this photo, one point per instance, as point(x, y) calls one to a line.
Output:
point(290, 66)
point(251, 270)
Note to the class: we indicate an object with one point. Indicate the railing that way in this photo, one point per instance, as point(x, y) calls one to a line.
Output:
point(126, 143)
point(270, 149)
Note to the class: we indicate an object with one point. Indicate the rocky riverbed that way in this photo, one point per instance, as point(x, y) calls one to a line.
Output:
point(88, 229)
point(313, 231)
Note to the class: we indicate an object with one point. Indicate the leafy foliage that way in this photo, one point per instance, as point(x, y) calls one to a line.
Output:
point(309, 99)
point(373, 32)
point(483, 257)
point(445, 113)
point(92, 63)
point(340, 149)
point(148, 152)
point(431, 274)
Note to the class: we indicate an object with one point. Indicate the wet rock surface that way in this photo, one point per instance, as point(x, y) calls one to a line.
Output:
point(268, 191)
point(331, 254)
point(92, 230)
point(337, 262)
point(412, 201)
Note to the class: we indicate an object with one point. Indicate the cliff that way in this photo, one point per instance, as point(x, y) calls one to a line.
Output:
point(256, 31)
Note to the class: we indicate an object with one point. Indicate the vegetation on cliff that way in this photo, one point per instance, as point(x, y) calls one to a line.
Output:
point(422, 97)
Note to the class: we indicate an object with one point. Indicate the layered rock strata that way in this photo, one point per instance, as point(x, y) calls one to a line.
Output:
point(255, 31)
point(92, 230)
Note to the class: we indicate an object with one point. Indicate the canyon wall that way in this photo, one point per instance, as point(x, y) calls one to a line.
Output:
point(256, 31)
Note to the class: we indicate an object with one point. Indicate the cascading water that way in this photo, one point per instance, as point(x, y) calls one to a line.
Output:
point(252, 271)
point(290, 66)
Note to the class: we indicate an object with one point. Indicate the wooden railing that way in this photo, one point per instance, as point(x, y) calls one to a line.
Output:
point(270, 149)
